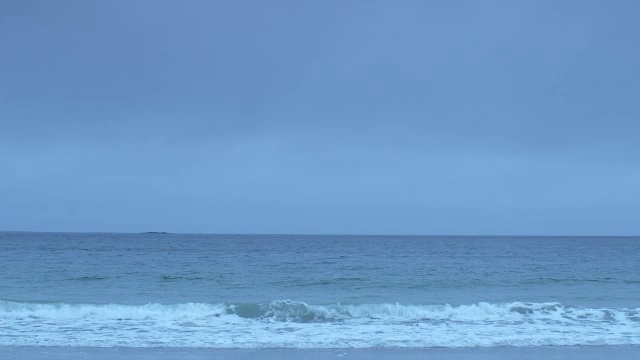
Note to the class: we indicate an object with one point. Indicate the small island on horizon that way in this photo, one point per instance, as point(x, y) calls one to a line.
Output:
point(155, 233)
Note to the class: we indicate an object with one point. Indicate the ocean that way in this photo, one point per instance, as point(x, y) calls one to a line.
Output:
point(178, 292)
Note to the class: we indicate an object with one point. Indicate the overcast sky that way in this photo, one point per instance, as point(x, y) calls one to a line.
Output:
point(358, 117)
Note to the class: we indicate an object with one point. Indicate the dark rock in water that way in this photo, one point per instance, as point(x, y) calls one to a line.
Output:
point(155, 233)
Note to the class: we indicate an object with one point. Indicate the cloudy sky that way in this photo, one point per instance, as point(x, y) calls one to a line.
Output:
point(348, 117)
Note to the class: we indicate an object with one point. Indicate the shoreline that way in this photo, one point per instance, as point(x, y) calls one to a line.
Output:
point(619, 352)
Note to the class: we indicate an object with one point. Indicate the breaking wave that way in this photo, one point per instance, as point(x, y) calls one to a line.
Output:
point(294, 324)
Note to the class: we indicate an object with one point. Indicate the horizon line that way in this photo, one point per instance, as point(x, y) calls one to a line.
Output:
point(298, 234)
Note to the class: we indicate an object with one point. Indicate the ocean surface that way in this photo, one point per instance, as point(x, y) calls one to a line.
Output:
point(303, 291)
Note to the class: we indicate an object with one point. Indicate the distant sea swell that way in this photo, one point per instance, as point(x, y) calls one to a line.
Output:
point(295, 324)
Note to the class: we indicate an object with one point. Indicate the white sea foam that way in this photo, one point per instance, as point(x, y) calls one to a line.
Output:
point(69, 312)
point(294, 324)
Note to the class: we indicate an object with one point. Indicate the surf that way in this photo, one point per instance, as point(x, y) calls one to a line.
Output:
point(295, 324)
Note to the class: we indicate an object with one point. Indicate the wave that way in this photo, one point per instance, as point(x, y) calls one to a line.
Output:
point(91, 278)
point(297, 311)
point(287, 323)
point(62, 311)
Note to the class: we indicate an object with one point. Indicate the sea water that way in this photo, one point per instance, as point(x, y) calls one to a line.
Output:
point(304, 291)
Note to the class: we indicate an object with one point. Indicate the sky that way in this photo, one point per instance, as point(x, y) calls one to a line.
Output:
point(323, 117)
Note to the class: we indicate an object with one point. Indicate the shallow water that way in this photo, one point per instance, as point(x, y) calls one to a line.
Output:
point(499, 353)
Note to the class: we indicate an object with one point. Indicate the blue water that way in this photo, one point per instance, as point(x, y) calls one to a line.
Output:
point(240, 291)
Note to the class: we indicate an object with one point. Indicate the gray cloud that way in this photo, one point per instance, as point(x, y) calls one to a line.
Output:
point(359, 117)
